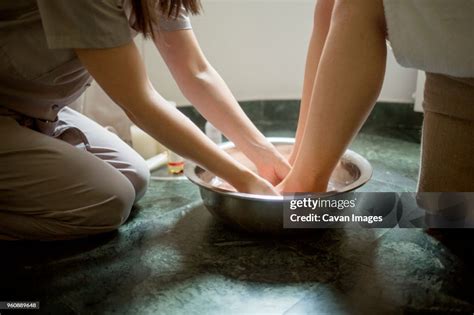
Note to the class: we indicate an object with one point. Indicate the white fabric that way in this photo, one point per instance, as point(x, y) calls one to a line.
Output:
point(432, 35)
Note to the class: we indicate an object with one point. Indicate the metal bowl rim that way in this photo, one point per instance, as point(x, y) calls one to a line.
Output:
point(363, 165)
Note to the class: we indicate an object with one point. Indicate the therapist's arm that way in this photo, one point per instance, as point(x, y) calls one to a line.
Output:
point(121, 73)
point(205, 89)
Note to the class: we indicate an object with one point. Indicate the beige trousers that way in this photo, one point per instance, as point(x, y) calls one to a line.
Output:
point(51, 188)
point(447, 162)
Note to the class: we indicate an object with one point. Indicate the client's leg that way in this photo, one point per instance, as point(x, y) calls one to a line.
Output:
point(322, 20)
point(348, 81)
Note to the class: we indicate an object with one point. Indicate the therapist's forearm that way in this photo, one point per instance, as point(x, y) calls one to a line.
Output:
point(210, 95)
point(122, 74)
point(167, 124)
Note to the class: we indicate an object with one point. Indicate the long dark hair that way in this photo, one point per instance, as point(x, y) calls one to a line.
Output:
point(146, 14)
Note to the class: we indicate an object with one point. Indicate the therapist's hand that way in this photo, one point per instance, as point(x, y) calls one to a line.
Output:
point(257, 186)
point(273, 166)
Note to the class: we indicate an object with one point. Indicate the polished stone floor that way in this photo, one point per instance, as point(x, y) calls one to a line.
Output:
point(172, 257)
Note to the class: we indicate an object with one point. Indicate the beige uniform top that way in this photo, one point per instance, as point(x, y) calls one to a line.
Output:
point(39, 70)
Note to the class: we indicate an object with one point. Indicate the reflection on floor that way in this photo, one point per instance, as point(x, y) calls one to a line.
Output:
point(172, 257)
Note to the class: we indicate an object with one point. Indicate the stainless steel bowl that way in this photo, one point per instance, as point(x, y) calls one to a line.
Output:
point(256, 213)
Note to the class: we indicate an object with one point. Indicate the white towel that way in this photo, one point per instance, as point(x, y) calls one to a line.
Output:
point(432, 35)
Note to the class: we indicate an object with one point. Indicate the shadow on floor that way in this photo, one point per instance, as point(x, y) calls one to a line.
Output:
point(186, 262)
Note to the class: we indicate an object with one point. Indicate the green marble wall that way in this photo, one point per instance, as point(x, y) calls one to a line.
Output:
point(280, 117)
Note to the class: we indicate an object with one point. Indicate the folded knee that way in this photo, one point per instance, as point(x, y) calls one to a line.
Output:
point(139, 176)
point(116, 207)
point(104, 208)
point(99, 209)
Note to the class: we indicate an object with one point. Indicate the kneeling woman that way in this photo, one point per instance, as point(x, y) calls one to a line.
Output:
point(62, 175)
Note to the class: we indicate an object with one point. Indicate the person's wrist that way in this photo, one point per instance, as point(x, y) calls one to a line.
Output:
point(244, 180)
point(267, 156)
point(237, 175)
point(257, 149)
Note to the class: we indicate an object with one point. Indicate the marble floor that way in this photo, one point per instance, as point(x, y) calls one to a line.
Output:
point(172, 257)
